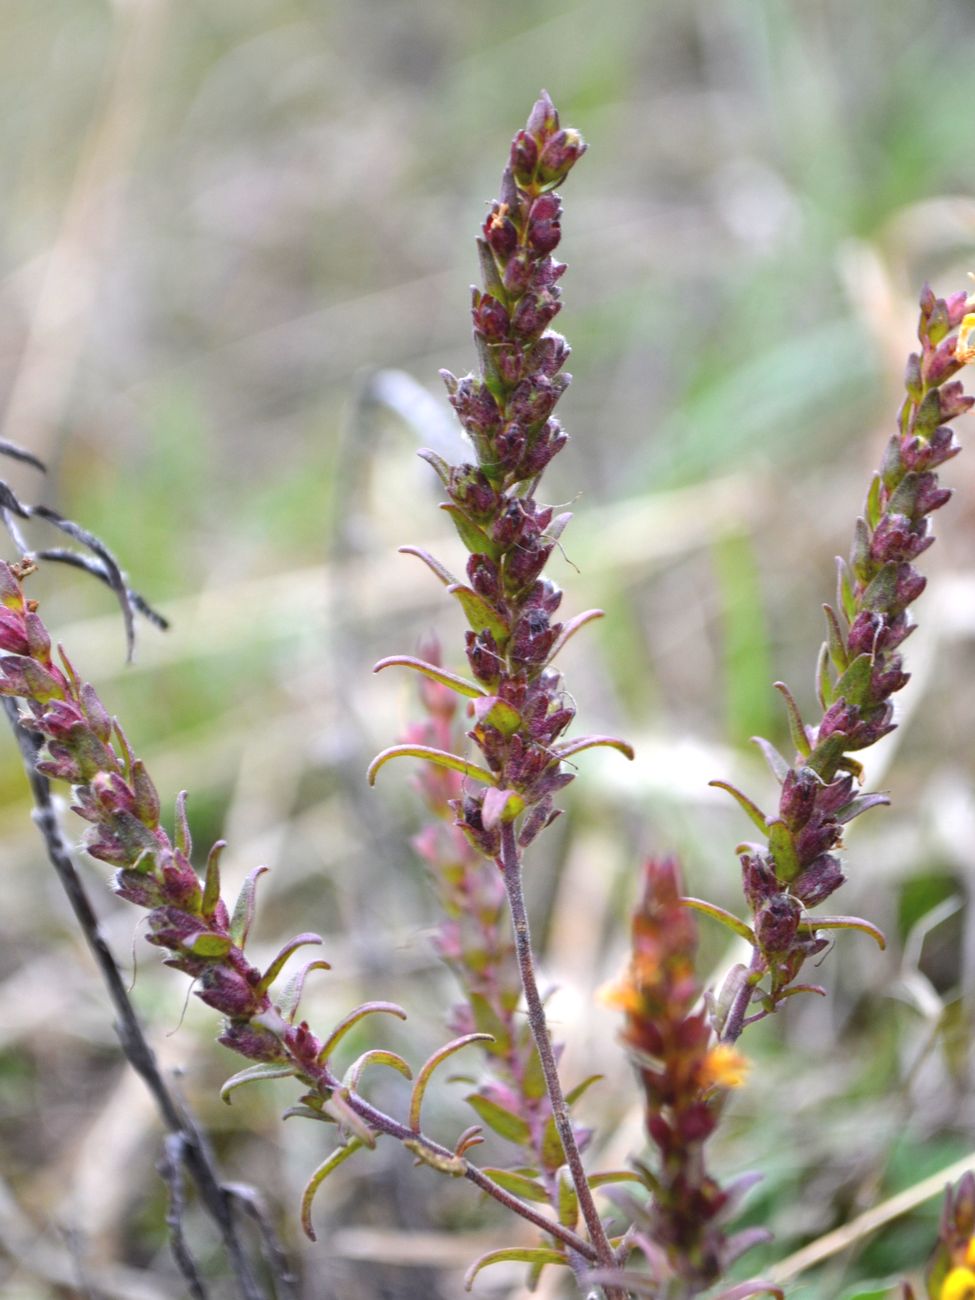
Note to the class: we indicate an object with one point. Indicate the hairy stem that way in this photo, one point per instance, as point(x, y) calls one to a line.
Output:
point(510, 864)
point(217, 1200)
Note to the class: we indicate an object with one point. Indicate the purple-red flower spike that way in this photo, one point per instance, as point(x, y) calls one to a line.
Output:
point(860, 668)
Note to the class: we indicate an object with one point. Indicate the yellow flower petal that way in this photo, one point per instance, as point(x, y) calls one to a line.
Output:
point(958, 1285)
point(724, 1067)
point(964, 346)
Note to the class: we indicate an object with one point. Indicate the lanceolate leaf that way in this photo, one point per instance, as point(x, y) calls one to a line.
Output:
point(211, 886)
point(719, 914)
point(481, 616)
point(845, 923)
point(432, 563)
point(780, 768)
point(796, 728)
point(438, 463)
point(439, 757)
point(529, 1189)
point(337, 1158)
point(353, 1018)
point(459, 684)
point(571, 627)
point(243, 916)
point(473, 537)
point(592, 742)
point(277, 965)
point(752, 809)
point(538, 1255)
point(428, 1067)
point(291, 997)
point(377, 1056)
point(505, 1122)
point(783, 847)
point(573, 1095)
point(254, 1074)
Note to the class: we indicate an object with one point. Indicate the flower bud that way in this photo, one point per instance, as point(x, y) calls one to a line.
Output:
point(560, 155)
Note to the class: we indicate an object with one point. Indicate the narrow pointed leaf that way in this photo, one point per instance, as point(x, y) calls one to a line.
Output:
point(609, 1176)
point(474, 538)
point(778, 766)
point(254, 1074)
point(439, 757)
point(783, 847)
point(719, 914)
point(573, 1095)
point(497, 713)
point(505, 1122)
point(592, 742)
point(183, 839)
point(353, 1018)
point(481, 616)
point(797, 729)
point(854, 685)
point(459, 684)
point(571, 627)
point(428, 1067)
point(338, 1157)
point(529, 1189)
point(277, 965)
point(537, 1255)
point(835, 640)
point(211, 884)
point(338, 1107)
point(752, 809)
point(243, 914)
point(824, 682)
point(845, 923)
point(873, 508)
point(437, 463)
point(432, 563)
point(290, 999)
point(377, 1056)
point(793, 989)
point(568, 1207)
point(845, 597)
point(861, 803)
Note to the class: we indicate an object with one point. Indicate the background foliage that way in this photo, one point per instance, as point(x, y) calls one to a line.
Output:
point(220, 220)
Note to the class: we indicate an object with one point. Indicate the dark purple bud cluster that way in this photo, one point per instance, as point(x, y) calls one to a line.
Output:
point(507, 411)
point(860, 665)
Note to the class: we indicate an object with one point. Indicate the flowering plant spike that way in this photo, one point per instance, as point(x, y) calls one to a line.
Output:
point(663, 1235)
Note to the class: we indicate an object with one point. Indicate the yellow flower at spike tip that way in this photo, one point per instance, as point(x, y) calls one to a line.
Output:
point(958, 1285)
point(970, 1253)
point(724, 1067)
point(964, 347)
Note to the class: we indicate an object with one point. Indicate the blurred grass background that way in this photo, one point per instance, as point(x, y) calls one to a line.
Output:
point(220, 221)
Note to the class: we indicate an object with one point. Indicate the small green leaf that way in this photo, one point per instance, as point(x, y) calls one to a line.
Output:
point(474, 538)
point(211, 885)
point(537, 1255)
point(797, 728)
point(497, 713)
point(353, 1018)
point(377, 1056)
point(854, 685)
point(439, 757)
point(860, 560)
point(609, 1176)
point(529, 1189)
point(243, 914)
point(553, 1153)
point(481, 616)
point(845, 597)
point(824, 683)
point(752, 809)
point(719, 914)
point(573, 1095)
point(835, 640)
point(254, 1074)
point(880, 594)
point(568, 1205)
point(459, 684)
point(291, 997)
point(183, 839)
point(874, 507)
point(206, 943)
point(428, 1067)
point(505, 1122)
point(487, 1020)
point(783, 847)
point(337, 1158)
point(533, 1080)
point(277, 965)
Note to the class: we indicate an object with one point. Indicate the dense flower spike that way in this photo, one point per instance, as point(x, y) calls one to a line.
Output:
point(683, 1072)
point(860, 668)
point(519, 709)
point(189, 920)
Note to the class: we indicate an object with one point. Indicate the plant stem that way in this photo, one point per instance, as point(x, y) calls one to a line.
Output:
point(215, 1198)
point(510, 864)
point(735, 1020)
